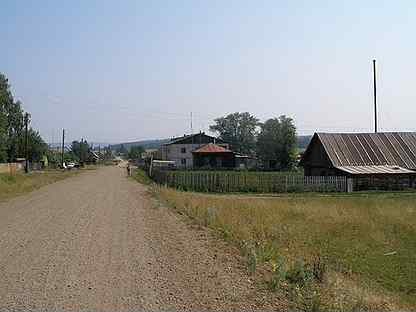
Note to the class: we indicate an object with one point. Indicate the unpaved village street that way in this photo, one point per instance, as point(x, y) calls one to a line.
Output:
point(99, 242)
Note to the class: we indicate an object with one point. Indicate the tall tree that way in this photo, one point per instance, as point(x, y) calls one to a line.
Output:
point(12, 135)
point(81, 150)
point(6, 100)
point(15, 131)
point(239, 130)
point(277, 142)
point(135, 152)
point(108, 153)
point(36, 146)
point(121, 150)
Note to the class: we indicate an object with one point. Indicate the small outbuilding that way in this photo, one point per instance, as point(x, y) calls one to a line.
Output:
point(213, 156)
point(379, 157)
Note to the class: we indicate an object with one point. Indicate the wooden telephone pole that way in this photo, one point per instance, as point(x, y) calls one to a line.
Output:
point(26, 120)
point(375, 97)
point(63, 148)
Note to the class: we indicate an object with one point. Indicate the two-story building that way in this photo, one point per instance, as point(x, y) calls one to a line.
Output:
point(180, 149)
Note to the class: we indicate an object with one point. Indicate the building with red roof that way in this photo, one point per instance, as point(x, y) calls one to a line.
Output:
point(213, 156)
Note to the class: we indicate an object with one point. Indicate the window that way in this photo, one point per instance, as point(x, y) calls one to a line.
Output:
point(183, 150)
point(183, 161)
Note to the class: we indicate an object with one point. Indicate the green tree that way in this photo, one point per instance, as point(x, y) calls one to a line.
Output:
point(36, 146)
point(108, 153)
point(81, 150)
point(15, 131)
point(135, 152)
point(6, 100)
point(277, 142)
point(239, 130)
point(121, 150)
point(12, 129)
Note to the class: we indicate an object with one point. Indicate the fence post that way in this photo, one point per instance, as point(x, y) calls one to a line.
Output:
point(286, 177)
point(350, 185)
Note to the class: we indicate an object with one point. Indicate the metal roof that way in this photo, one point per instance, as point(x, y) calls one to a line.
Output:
point(185, 138)
point(370, 149)
point(211, 148)
point(357, 170)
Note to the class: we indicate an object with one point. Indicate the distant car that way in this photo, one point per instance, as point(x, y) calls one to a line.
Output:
point(70, 165)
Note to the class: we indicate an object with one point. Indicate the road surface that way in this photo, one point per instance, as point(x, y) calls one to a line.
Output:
point(99, 242)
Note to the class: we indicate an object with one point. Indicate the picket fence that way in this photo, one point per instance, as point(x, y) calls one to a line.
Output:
point(256, 182)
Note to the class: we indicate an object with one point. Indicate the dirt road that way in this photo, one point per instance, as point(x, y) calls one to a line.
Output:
point(98, 242)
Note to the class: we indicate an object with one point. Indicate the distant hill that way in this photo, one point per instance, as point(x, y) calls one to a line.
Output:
point(68, 144)
point(146, 144)
point(303, 141)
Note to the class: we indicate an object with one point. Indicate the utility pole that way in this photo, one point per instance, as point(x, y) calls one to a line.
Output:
point(192, 131)
point(26, 142)
point(63, 147)
point(375, 96)
point(192, 128)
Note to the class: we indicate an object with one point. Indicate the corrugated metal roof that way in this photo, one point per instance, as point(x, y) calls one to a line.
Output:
point(371, 149)
point(181, 140)
point(357, 170)
point(211, 148)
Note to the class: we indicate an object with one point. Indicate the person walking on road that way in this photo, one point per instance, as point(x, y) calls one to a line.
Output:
point(128, 170)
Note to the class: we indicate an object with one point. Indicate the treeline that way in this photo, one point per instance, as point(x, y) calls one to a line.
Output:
point(12, 129)
point(82, 152)
point(146, 144)
point(133, 152)
point(273, 141)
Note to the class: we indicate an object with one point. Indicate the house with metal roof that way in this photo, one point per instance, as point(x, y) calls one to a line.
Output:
point(180, 149)
point(213, 156)
point(391, 154)
point(373, 161)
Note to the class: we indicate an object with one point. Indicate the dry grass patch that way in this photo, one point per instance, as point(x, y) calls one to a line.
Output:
point(367, 243)
point(11, 186)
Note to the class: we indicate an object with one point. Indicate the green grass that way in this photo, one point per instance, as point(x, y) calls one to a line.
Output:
point(11, 186)
point(140, 176)
point(353, 233)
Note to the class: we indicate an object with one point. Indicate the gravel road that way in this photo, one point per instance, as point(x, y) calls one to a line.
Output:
point(99, 242)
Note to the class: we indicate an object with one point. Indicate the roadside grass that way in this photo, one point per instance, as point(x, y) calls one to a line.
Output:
point(141, 177)
point(326, 252)
point(11, 186)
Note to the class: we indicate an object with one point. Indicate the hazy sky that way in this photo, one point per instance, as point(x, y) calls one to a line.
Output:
point(114, 71)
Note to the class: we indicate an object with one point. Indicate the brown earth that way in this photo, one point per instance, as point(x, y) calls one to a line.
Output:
point(99, 242)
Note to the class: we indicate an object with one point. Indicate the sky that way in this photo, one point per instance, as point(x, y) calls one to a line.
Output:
point(118, 71)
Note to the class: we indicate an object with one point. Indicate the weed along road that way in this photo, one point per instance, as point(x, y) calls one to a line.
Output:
point(98, 242)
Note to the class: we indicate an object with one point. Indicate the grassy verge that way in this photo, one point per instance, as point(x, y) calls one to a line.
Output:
point(11, 186)
point(141, 177)
point(324, 252)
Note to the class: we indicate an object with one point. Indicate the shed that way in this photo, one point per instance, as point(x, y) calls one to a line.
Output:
point(214, 156)
point(361, 154)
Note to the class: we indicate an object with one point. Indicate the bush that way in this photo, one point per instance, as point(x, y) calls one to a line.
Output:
point(278, 274)
point(249, 252)
point(319, 268)
point(266, 252)
point(300, 273)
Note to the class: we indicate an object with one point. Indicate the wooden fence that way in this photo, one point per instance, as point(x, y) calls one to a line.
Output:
point(10, 168)
point(259, 182)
